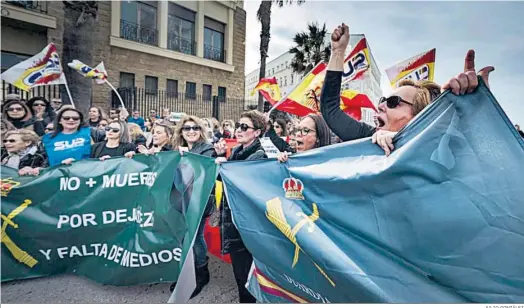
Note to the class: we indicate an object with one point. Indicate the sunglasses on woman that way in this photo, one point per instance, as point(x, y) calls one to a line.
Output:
point(188, 128)
point(243, 126)
point(15, 109)
point(71, 118)
point(10, 141)
point(39, 104)
point(393, 101)
point(113, 129)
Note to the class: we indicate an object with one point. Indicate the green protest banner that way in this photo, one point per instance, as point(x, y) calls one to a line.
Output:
point(119, 222)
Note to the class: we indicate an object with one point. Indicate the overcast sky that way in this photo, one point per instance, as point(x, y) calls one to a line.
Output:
point(398, 30)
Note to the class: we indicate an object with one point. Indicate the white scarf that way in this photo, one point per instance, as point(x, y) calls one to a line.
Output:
point(13, 159)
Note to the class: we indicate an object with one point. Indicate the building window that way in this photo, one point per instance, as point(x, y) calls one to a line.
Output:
point(285, 80)
point(151, 85)
point(273, 71)
point(190, 90)
point(172, 87)
point(214, 40)
point(222, 92)
point(207, 92)
point(127, 80)
point(181, 29)
point(291, 78)
point(286, 65)
point(139, 21)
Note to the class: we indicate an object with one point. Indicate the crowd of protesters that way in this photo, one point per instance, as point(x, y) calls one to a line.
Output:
point(39, 134)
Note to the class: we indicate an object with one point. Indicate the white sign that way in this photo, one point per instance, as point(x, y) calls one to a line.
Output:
point(270, 149)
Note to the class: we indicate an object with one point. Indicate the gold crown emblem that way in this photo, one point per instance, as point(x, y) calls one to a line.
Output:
point(293, 188)
point(6, 185)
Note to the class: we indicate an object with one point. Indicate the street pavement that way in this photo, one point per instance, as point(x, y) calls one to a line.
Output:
point(72, 289)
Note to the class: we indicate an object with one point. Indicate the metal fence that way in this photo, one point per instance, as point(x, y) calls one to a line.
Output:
point(49, 92)
point(202, 106)
point(37, 6)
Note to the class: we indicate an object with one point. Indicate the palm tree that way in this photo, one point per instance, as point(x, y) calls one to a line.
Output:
point(79, 27)
point(310, 49)
point(264, 17)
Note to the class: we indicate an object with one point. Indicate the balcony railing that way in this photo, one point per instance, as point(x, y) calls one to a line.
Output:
point(214, 54)
point(134, 32)
point(180, 44)
point(37, 6)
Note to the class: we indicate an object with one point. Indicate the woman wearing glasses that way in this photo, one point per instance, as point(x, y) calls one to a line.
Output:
point(190, 137)
point(70, 141)
point(395, 111)
point(312, 132)
point(20, 115)
point(249, 129)
point(22, 152)
point(42, 109)
point(116, 143)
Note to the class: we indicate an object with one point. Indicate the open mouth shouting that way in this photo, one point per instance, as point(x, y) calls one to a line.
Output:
point(380, 122)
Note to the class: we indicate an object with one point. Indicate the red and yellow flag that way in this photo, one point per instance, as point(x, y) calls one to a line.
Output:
point(352, 102)
point(419, 67)
point(269, 89)
point(305, 98)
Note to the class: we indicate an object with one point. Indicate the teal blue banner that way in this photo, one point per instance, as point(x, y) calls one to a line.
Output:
point(441, 220)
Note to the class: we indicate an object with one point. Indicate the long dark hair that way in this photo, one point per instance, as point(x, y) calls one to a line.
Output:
point(56, 123)
point(282, 123)
point(323, 132)
point(101, 114)
point(49, 111)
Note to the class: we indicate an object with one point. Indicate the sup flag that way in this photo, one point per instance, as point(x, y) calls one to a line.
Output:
point(440, 220)
point(305, 98)
point(352, 102)
point(419, 67)
point(41, 69)
point(269, 89)
point(99, 73)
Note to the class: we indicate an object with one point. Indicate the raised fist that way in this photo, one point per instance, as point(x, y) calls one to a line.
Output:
point(340, 39)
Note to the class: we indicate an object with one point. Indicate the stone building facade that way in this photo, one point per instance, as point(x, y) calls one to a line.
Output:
point(195, 47)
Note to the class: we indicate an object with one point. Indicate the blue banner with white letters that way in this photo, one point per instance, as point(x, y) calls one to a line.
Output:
point(441, 220)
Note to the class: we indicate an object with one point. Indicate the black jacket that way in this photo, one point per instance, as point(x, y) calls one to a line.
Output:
point(344, 126)
point(37, 160)
point(204, 149)
point(27, 122)
point(230, 237)
point(279, 143)
point(97, 148)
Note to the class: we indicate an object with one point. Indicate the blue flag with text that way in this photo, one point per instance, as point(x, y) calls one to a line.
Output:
point(441, 220)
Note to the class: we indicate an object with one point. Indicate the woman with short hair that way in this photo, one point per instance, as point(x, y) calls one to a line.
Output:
point(22, 152)
point(249, 129)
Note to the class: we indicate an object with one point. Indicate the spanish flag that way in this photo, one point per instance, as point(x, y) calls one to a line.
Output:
point(305, 98)
point(352, 102)
point(269, 89)
point(419, 67)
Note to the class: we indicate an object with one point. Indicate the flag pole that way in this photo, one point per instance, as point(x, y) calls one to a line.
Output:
point(294, 88)
point(117, 94)
point(69, 93)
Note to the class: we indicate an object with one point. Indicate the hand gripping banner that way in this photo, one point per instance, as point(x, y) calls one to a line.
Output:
point(441, 220)
point(119, 222)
